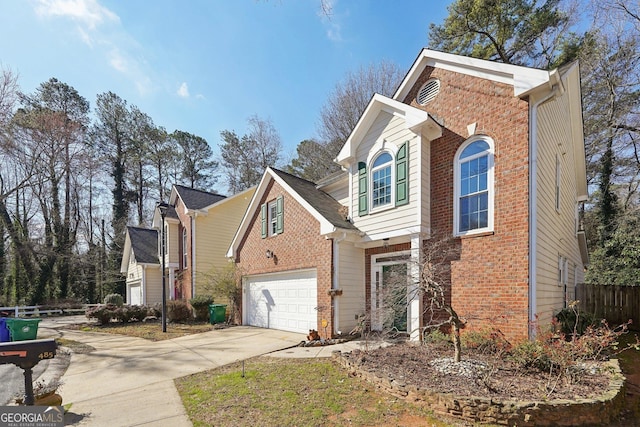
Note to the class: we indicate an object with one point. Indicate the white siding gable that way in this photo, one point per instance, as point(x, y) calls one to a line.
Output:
point(388, 133)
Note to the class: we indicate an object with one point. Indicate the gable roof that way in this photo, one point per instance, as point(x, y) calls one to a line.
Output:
point(143, 242)
point(319, 204)
point(416, 120)
point(193, 198)
point(523, 79)
point(324, 204)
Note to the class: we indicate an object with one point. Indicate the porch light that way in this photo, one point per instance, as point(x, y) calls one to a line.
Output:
point(269, 254)
point(385, 242)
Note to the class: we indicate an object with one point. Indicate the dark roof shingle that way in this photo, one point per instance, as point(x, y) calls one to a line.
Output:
point(197, 199)
point(144, 242)
point(326, 205)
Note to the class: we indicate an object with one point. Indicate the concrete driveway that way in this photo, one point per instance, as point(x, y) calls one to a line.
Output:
point(129, 381)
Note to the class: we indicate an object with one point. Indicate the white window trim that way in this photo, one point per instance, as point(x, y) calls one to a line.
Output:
point(392, 203)
point(272, 218)
point(490, 186)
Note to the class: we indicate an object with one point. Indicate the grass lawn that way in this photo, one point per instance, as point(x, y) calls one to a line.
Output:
point(292, 392)
point(149, 330)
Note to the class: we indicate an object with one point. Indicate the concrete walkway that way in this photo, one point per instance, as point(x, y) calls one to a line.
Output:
point(129, 381)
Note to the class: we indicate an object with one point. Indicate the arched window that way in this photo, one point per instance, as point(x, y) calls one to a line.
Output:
point(381, 180)
point(473, 200)
point(384, 181)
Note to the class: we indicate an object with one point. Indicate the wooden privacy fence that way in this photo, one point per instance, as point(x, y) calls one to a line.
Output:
point(616, 304)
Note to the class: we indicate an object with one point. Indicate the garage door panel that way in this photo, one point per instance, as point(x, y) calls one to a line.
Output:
point(135, 294)
point(282, 301)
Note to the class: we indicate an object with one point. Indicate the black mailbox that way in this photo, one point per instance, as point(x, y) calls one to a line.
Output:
point(26, 355)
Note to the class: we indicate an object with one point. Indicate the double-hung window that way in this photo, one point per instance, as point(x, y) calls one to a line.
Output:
point(272, 217)
point(473, 201)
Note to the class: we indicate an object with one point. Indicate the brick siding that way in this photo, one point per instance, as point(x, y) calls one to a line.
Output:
point(300, 246)
point(490, 280)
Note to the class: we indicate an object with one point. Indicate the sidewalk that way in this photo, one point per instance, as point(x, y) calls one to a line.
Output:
point(129, 381)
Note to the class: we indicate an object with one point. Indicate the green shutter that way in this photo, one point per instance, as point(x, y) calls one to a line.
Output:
point(363, 207)
point(279, 215)
point(402, 175)
point(263, 211)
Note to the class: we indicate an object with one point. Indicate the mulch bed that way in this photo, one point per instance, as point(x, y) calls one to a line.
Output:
point(478, 374)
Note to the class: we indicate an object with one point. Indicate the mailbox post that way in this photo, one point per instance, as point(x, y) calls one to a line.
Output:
point(26, 355)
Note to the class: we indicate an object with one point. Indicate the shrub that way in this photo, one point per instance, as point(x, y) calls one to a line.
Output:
point(115, 299)
point(562, 358)
point(488, 341)
point(155, 310)
point(178, 311)
point(103, 313)
point(200, 304)
point(571, 321)
point(129, 313)
point(123, 314)
point(435, 336)
point(138, 312)
point(225, 283)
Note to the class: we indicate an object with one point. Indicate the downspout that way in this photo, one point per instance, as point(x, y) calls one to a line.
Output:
point(144, 285)
point(533, 196)
point(193, 256)
point(335, 282)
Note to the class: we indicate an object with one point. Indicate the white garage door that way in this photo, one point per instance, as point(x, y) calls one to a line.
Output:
point(135, 294)
point(284, 301)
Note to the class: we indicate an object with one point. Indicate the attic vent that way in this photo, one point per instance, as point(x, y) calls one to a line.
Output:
point(428, 91)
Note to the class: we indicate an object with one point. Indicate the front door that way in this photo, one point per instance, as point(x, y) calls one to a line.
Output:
point(389, 302)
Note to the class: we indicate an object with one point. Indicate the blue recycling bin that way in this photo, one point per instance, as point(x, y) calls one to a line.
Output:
point(4, 332)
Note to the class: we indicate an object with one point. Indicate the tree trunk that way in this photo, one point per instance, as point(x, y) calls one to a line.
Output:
point(457, 345)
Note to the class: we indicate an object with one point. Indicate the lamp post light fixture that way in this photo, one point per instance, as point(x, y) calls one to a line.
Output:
point(162, 207)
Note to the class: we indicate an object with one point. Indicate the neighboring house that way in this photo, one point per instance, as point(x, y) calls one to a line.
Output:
point(199, 226)
point(141, 264)
point(489, 153)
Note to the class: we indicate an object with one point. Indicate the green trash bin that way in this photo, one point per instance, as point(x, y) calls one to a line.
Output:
point(22, 329)
point(217, 313)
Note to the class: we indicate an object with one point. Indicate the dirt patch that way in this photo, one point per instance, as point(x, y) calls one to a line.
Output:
point(630, 364)
point(479, 374)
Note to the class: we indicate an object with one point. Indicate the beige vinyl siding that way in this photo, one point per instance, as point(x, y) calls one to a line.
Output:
point(392, 130)
point(172, 255)
point(339, 192)
point(153, 288)
point(555, 229)
point(214, 232)
point(149, 278)
point(351, 281)
point(134, 273)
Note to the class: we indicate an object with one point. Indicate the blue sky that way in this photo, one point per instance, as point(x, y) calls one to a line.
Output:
point(203, 66)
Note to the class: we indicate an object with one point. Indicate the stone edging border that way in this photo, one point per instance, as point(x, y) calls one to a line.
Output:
point(558, 412)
